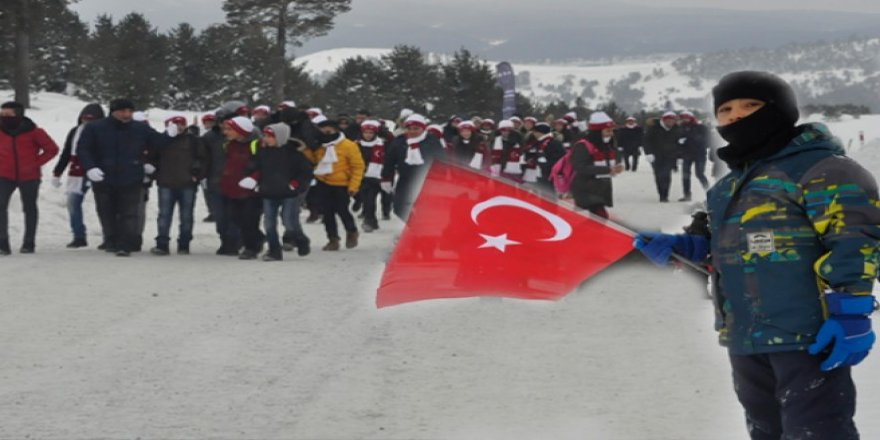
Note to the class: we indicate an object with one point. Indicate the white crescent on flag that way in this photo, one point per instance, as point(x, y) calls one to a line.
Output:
point(563, 228)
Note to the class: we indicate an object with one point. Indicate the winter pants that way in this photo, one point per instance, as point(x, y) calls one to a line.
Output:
point(787, 397)
point(699, 166)
point(663, 175)
point(118, 208)
point(631, 160)
point(290, 212)
point(208, 195)
point(598, 210)
point(75, 212)
point(335, 200)
point(370, 190)
point(185, 199)
point(28, 192)
point(226, 229)
point(245, 214)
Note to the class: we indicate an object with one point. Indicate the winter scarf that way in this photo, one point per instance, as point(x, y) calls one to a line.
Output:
point(325, 166)
point(414, 152)
point(377, 157)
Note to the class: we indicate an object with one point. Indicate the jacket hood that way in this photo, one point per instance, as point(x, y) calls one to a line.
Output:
point(813, 137)
point(94, 110)
point(282, 132)
point(26, 125)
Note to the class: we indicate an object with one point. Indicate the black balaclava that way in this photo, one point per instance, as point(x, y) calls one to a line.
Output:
point(765, 132)
point(11, 123)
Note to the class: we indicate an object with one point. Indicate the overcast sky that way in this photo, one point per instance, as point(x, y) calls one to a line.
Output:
point(200, 13)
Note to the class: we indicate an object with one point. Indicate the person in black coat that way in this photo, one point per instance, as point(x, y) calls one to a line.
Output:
point(468, 144)
point(630, 138)
point(542, 152)
point(662, 149)
point(77, 184)
point(694, 143)
point(409, 157)
point(594, 161)
point(113, 152)
point(282, 174)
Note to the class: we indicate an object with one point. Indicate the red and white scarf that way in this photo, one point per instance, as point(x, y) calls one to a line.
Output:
point(414, 152)
point(377, 157)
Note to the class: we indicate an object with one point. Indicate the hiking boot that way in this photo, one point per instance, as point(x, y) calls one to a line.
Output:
point(183, 249)
point(273, 255)
point(313, 217)
point(247, 254)
point(27, 248)
point(4, 248)
point(386, 217)
point(351, 240)
point(123, 253)
point(288, 247)
point(77, 243)
point(368, 228)
point(161, 250)
point(685, 199)
point(333, 245)
point(303, 248)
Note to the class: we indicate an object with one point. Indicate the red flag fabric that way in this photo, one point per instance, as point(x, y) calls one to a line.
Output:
point(471, 235)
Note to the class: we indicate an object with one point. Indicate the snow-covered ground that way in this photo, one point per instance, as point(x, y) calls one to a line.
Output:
point(95, 346)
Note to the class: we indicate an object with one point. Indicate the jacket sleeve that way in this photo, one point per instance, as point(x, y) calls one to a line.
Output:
point(390, 165)
point(356, 164)
point(301, 171)
point(64, 159)
point(583, 164)
point(554, 152)
point(648, 141)
point(840, 198)
point(48, 148)
point(201, 160)
point(87, 148)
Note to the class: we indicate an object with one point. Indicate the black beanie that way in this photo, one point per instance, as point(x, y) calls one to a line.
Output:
point(15, 106)
point(758, 85)
point(543, 128)
point(121, 104)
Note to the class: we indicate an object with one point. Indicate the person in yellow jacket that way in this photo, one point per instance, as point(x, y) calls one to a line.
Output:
point(339, 170)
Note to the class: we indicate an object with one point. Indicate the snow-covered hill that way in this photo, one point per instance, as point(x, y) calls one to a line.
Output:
point(95, 346)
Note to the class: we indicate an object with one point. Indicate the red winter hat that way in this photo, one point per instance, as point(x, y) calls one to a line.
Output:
point(176, 119)
point(209, 117)
point(416, 120)
point(600, 121)
point(371, 125)
point(263, 109)
point(487, 121)
point(243, 111)
point(466, 125)
point(533, 119)
point(241, 125)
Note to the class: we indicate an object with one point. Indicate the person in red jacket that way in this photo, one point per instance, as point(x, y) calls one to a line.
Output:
point(24, 149)
point(241, 204)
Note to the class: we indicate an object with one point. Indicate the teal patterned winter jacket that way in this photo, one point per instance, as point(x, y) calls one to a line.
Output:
point(785, 230)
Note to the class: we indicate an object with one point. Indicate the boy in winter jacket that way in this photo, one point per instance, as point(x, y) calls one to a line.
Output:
point(594, 162)
point(339, 170)
point(373, 150)
point(24, 149)
point(281, 173)
point(630, 138)
point(541, 154)
point(180, 166)
point(409, 156)
point(241, 205)
point(795, 250)
point(77, 185)
point(662, 151)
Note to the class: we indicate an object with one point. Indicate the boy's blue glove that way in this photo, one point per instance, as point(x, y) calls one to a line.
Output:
point(848, 327)
point(659, 247)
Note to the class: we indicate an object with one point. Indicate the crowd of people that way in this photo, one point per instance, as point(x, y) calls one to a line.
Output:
point(263, 163)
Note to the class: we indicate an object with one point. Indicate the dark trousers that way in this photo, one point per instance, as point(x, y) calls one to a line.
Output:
point(663, 175)
point(786, 397)
point(335, 200)
point(28, 192)
point(631, 160)
point(185, 199)
point(699, 166)
point(118, 209)
point(245, 214)
point(371, 189)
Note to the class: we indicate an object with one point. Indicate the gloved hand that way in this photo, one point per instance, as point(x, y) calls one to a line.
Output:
point(848, 327)
point(648, 157)
point(387, 187)
point(495, 170)
point(149, 169)
point(681, 141)
point(172, 130)
point(248, 183)
point(95, 175)
point(659, 247)
point(56, 182)
point(293, 185)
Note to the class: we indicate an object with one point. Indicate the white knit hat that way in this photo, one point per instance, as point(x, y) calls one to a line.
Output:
point(263, 109)
point(416, 119)
point(241, 124)
point(505, 124)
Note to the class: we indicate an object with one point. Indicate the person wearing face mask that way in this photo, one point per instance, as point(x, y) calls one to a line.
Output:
point(594, 161)
point(180, 166)
point(113, 151)
point(409, 157)
point(794, 247)
point(630, 137)
point(24, 149)
point(77, 185)
point(339, 171)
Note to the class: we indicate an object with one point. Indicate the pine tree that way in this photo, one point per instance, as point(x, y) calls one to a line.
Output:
point(412, 82)
point(357, 83)
point(470, 87)
point(97, 66)
point(187, 76)
point(288, 22)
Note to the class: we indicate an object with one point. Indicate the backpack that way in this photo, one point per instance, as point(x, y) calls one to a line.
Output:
point(562, 174)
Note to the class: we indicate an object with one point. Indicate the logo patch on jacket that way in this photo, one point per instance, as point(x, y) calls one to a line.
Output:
point(761, 242)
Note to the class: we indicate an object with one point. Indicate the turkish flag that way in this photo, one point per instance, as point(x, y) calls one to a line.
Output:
point(471, 235)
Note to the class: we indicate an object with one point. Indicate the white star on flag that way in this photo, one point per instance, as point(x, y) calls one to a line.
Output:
point(500, 242)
